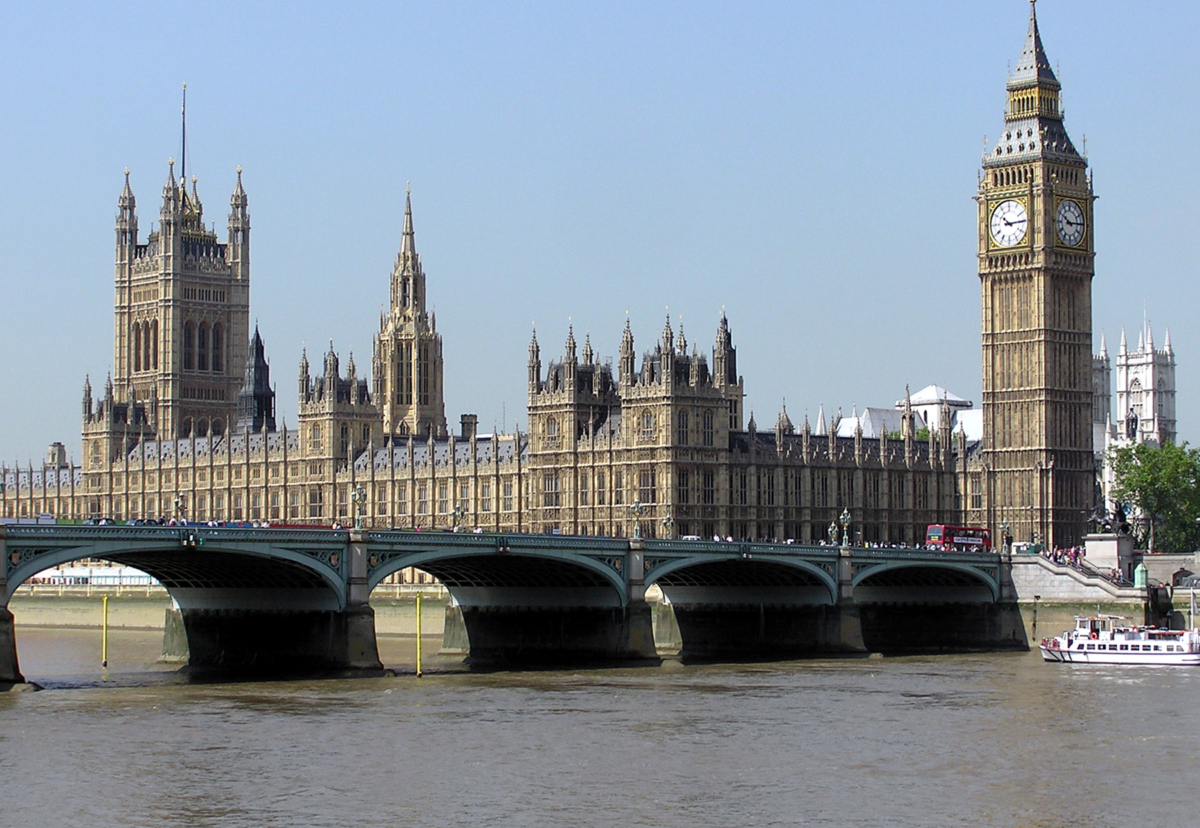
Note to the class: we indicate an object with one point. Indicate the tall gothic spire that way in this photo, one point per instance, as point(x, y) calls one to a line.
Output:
point(408, 280)
point(1033, 125)
point(1033, 67)
point(238, 199)
point(126, 200)
point(408, 246)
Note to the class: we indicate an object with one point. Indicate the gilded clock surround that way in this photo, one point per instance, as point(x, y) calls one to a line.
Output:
point(1024, 241)
point(1083, 241)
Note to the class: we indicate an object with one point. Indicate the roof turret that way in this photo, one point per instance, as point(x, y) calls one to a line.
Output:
point(1033, 67)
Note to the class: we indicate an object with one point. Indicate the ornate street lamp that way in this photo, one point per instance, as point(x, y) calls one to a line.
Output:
point(845, 518)
point(1004, 537)
point(635, 511)
point(179, 506)
point(359, 498)
point(456, 515)
point(833, 533)
point(668, 524)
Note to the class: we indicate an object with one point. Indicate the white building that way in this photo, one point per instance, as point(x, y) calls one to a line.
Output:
point(1145, 399)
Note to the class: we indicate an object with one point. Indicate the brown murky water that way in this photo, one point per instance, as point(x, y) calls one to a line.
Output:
point(958, 740)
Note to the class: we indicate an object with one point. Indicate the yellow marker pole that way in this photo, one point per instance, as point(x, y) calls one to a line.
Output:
point(104, 633)
point(418, 635)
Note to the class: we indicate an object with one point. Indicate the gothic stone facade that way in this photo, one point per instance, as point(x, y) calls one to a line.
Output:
point(181, 430)
point(1035, 469)
point(667, 435)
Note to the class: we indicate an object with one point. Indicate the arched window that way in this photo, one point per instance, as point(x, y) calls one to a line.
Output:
point(218, 428)
point(189, 346)
point(201, 428)
point(202, 347)
point(647, 425)
point(152, 353)
point(551, 428)
point(1135, 397)
point(137, 346)
point(315, 438)
point(218, 344)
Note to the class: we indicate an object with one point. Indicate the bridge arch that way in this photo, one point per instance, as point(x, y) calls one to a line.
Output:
point(924, 582)
point(249, 599)
point(735, 578)
point(531, 599)
point(487, 577)
point(198, 566)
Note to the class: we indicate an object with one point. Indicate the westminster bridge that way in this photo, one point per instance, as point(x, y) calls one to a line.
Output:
point(296, 600)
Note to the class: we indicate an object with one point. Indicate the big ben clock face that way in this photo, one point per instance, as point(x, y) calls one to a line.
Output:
point(1068, 221)
point(1009, 223)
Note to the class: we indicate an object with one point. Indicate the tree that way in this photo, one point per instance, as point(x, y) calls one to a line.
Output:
point(1163, 485)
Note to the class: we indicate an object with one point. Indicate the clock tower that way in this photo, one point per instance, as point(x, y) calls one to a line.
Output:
point(1036, 261)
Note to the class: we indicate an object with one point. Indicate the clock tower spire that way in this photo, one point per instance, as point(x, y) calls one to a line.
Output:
point(1036, 262)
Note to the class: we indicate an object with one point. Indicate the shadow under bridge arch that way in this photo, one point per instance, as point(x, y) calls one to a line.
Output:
point(496, 579)
point(527, 600)
point(265, 600)
point(936, 606)
point(214, 575)
point(924, 582)
point(739, 580)
point(746, 607)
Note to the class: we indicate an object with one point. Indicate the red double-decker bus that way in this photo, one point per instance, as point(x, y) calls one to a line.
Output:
point(958, 538)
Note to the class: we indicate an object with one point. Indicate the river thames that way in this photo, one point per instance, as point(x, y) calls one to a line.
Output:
point(999, 739)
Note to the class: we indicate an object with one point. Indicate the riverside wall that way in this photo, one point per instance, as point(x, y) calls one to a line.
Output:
point(139, 611)
point(1033, 575)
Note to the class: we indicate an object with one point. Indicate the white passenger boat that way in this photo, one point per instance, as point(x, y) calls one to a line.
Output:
point(1111, 639)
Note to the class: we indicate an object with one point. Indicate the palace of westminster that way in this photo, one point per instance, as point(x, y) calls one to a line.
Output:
point(185, 427)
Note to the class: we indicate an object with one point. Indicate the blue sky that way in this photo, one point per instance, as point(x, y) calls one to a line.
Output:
point(807, 167)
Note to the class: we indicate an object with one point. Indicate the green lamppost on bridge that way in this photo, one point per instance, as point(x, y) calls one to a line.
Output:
point(1004, 537)
point(359, 496)
point(833, 533)
point(456, 516)
point(179, 506)
point(668, 524)
point(635, 510)
point(845, 518)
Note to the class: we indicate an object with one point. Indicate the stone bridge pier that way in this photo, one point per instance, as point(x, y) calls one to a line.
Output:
point(288, 627)
point(530, 600)
point(10, 669)
point(746, 606)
